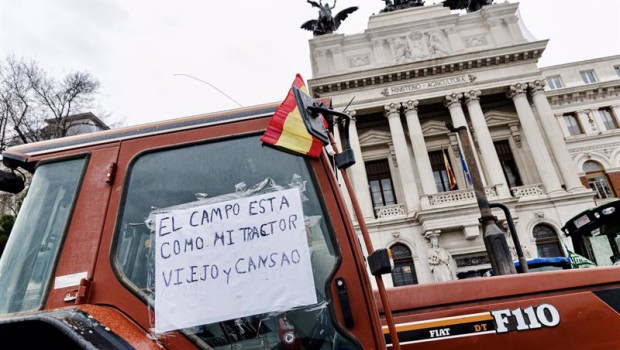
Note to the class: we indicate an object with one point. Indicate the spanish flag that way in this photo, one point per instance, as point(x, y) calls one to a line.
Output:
point(450, 173)
point(287, 129)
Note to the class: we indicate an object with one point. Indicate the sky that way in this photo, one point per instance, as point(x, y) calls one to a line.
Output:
point(159, 60)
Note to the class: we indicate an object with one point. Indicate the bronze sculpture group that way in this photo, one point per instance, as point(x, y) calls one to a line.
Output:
point(326, 23)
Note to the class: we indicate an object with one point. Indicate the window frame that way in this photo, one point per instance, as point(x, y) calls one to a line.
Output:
point(403, 261)
point(46, 285)
point(588, 76)
point(606, 116)
point(554, 82)
point(547, 241)
point(386, 175)
point(570, 117)
point(599, 176)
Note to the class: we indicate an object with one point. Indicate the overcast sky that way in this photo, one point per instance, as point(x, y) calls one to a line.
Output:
point(250, 50)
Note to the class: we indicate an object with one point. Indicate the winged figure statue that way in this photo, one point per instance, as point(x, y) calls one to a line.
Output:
point(469, 5)
point(326, 23)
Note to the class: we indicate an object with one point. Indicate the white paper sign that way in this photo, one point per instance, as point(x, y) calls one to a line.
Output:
point(231, 259)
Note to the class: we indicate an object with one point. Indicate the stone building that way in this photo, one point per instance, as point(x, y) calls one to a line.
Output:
point(413, 70)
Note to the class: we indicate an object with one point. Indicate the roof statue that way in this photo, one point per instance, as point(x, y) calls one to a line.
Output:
point(401, 4)
point(326, 23)
point(469, 5)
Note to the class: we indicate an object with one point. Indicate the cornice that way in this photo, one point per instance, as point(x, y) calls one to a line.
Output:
point(583, 93)
point(430, 68)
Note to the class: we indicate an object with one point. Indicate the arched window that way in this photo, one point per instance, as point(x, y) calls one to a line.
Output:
point(404, 271)
point(547, 241)
point(597, 180)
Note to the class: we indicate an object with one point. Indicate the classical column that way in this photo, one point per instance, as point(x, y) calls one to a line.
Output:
point(543, 161)
point(453, 103)
point(405, 168)
point(357, 172)
point(420, 153)
point(490, 160)
point(558, 146)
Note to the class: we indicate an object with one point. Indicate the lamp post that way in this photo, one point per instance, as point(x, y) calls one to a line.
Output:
point(494, 239)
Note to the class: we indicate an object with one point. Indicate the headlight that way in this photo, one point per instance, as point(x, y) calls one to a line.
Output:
point(608, 211)
point(597, 215)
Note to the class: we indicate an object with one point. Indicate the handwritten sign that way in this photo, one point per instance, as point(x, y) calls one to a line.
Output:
point(231, 259)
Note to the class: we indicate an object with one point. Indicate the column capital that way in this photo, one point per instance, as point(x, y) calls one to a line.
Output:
point(411, 105)
point(517, 89)
point(392, 109)
point(472, 96)
point(537, 86)
point(453, 100)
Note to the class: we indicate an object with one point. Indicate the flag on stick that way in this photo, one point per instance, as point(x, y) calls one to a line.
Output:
point(451, 178)
point(287, 129)
point(465, 168)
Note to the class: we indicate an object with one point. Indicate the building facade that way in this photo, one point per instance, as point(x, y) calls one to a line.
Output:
point(415, 69)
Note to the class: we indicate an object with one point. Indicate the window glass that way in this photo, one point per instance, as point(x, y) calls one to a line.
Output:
point(404, 271)
point(597, 180)
point(37, 235)
point(588, 76)
point(607, 119)
point(617, 68)
point(554, 82)
point(572, 124)
point(547, 241)
point(214, 172)
point(440, 165)
point(380, 181)
point(509, 166)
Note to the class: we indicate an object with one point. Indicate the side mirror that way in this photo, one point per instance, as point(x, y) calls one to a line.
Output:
point(9, 182)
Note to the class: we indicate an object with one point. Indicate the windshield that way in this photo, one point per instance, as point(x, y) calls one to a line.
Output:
point(209, 219)
point(37, 235)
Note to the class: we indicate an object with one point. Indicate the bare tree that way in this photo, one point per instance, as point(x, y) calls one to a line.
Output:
point(35, 106)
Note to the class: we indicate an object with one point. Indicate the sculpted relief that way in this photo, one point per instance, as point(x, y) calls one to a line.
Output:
point(417, 46)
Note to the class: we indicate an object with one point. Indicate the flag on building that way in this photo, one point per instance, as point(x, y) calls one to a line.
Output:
point(464, 165)
point(287, 129)
point(451, 178)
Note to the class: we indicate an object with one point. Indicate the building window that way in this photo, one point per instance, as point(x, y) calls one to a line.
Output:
point(547, 241)
point(440, 166)
point(572, 124)
point(380, 182)
point(554, 82)
point(509, 166)
point(588, 76)
point(617, 68)
point(597, 180)
point(404, 272)
point(607, 118)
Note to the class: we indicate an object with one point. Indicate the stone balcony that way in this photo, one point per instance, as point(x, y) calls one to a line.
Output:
point(390, 211)
point(453, 198)
point(528, 192)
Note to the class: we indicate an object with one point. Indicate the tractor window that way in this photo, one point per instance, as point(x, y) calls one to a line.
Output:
point(37, 235)
point(188, 177)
